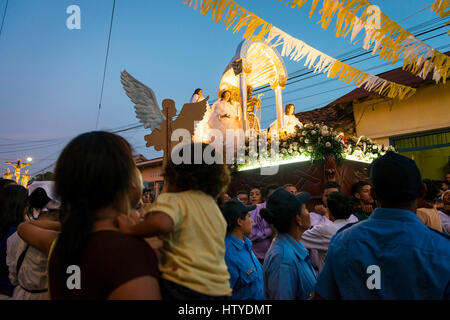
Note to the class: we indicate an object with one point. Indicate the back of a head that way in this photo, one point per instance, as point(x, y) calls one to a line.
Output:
point(395, 178)
point(270, 188)
point(281, 207)
point(331, 185)
point(5, 182)
point(38, 198)
point(13, 201)
point(189, 171)
point(432, 190)
point(94, 171)
point(340, 205)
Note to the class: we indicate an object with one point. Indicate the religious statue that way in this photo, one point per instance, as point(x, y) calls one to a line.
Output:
point(18, 166)
point(25, 179)
point(290, 121)
point(7, 175)
point(253, 104)
point(161, 123)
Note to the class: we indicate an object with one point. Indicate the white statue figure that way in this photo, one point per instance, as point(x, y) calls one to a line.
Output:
point(290, 120)
point(224, 115)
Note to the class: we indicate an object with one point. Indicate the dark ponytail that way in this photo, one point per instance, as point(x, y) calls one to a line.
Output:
point(94, 171)
point(75, 231)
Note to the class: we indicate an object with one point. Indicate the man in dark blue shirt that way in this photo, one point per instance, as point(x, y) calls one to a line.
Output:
point(244, 268)
point(392, 254)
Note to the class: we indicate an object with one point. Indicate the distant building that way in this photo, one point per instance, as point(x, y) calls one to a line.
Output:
point(418, 127)
point(152, 172)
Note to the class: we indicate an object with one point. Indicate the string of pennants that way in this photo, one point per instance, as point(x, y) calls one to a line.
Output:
point(237, 17)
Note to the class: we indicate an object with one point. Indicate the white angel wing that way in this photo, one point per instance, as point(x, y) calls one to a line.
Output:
point(147, 108)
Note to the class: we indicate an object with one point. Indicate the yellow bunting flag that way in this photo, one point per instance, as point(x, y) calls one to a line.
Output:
point(234, 15)
point(441, 7)
point(388, 38)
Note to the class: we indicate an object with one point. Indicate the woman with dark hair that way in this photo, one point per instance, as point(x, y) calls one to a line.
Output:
point(288, 273)
point(191, 226)
point(27, 265)
point(13, 201)
point(197, 96)
point(96, 181)
point(5, 182)
point(202, 128)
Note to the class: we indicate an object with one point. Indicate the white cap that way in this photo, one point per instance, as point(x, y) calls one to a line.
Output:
point(49, 188)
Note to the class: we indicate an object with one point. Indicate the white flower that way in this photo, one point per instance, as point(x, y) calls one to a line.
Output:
point(302, 138)
point(327, 144)
point(324, 127)
point(283, 150)
point(303, 133)
point(317, 125)
point(313, 132)
point(290, 150)
point(310, 148)
point(375, 147)
point(294, 144)
point(284, 144)
point(325, 132)
point(302, 149)
point(306, 140)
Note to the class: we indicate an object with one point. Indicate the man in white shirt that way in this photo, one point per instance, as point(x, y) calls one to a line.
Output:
point(317, 239)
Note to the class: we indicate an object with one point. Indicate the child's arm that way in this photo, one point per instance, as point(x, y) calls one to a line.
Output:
point(39, 238)
point(47, 224)
point(157, 223)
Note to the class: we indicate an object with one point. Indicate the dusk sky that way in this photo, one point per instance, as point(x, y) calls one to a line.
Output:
point(50, 76)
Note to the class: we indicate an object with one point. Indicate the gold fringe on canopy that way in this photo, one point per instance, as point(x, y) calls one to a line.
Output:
point(440, 7)
point(296, 50)
point(233, 14)
point(388, 38)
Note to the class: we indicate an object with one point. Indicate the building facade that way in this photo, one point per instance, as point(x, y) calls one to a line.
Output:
point(418, 127)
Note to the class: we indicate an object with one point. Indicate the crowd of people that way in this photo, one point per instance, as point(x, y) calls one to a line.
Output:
point(92, 233)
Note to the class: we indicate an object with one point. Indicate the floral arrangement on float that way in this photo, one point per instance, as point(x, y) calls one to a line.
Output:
point(309, 143)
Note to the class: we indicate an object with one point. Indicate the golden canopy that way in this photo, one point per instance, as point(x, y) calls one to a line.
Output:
point(261, 63)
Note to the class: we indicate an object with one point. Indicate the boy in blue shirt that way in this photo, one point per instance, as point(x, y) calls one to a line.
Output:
point(244, 268)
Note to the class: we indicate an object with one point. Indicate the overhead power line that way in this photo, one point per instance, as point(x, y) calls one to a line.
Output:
point(106, 63)
point(3, 19)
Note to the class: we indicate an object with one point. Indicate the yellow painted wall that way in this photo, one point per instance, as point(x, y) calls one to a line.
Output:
point(428, 109)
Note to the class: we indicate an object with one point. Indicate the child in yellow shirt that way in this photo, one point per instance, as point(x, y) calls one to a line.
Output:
point(192, 228)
